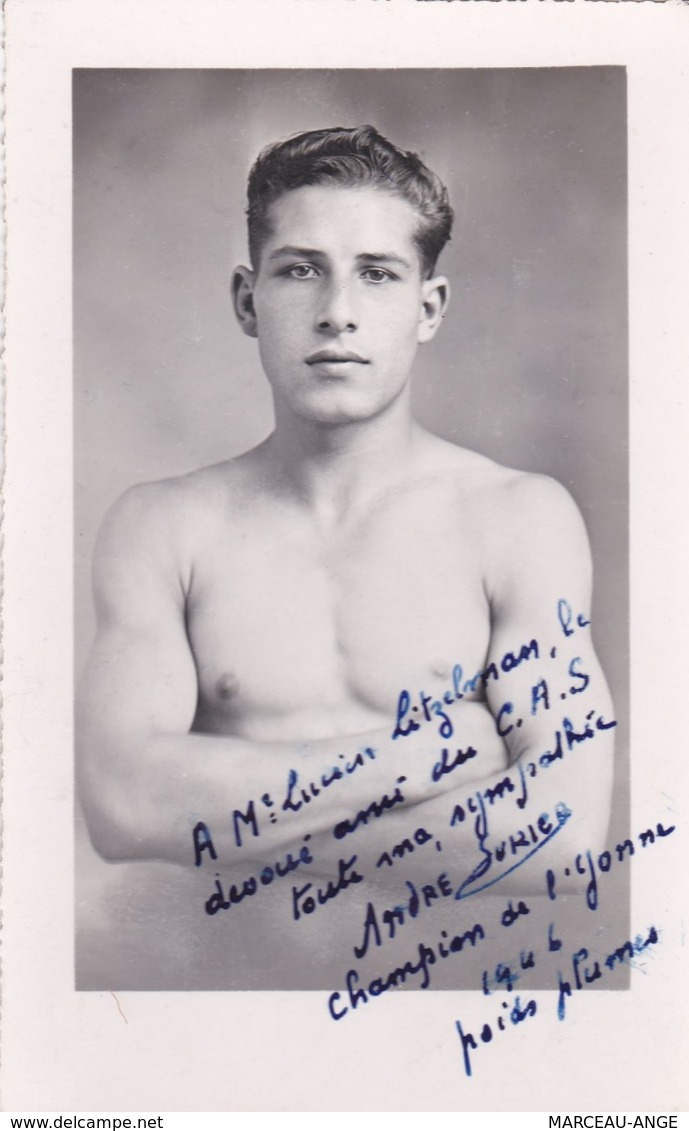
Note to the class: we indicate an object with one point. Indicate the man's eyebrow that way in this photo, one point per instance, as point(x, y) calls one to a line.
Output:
point(383, 257)
point(302, 252)
point(364, 257)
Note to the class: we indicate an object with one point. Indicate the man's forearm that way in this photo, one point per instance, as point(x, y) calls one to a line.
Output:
point(170, 795)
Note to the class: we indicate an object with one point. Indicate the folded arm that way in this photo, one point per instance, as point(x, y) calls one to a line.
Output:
point(146, 782)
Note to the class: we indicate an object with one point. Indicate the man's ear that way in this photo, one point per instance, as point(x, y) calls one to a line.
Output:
point(435, 295)
point(243, 300)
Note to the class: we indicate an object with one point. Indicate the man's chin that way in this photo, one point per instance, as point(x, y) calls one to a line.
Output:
point(341, 410)
point(339, 419)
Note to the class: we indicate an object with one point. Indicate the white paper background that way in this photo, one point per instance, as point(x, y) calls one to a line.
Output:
point(177, 1052)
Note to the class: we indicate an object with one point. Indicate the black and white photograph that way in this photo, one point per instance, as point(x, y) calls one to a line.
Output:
point(344, 589)
point(348, 466)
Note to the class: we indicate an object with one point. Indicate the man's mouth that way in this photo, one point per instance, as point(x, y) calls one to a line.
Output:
point(335, 357)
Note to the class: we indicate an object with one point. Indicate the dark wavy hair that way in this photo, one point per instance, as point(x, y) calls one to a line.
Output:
point(343, 156)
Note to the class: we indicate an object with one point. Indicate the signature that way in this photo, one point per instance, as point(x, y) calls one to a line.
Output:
point(538, 836)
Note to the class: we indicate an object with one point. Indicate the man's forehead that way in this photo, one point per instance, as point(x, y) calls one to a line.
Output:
point(340, 214)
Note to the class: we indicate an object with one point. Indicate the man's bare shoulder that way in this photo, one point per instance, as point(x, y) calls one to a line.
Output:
point(498, 489)
point(184, 499)
point(162, 521)
point(524, 499)
point(517, 517)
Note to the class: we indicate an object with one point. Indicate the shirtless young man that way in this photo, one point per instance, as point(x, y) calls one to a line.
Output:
point(260, 618)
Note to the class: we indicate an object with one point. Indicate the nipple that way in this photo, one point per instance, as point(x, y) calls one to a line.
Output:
point(440, 668)
point(227, 686)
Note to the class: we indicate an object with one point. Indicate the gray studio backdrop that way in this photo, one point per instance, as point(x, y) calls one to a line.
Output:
point(530, 366)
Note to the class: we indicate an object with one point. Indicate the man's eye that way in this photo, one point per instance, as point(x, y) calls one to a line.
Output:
point(301, 271)
point(376, 275)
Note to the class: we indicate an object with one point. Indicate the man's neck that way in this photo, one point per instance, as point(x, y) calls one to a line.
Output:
point(336, 470)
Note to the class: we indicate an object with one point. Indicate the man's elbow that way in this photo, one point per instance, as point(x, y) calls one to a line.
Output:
point(108, 840)
point(112, 838)
point(114, 831)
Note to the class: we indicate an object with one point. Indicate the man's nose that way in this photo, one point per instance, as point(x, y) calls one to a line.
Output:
point(337, 311)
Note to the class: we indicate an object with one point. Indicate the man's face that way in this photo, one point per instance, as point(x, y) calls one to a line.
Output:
point(338, 302)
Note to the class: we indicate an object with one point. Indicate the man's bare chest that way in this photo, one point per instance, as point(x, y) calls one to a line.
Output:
point(285, 625)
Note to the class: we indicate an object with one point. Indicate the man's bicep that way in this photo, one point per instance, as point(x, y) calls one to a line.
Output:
point(542, 649)
point(137, 683)
point(140, 675)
